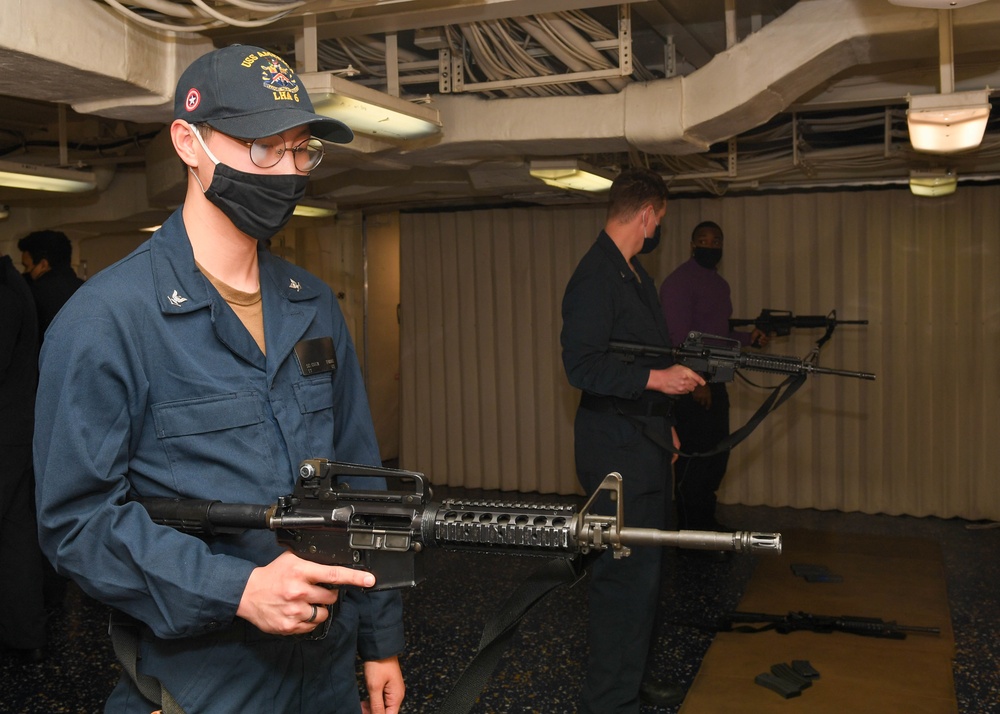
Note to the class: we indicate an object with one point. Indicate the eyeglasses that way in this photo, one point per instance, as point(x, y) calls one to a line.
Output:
point(267, 152)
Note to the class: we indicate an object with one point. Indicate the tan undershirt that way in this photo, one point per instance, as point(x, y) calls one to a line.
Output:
point(247, 306)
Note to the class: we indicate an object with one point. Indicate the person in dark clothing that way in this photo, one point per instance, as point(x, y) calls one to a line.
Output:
point(46, 256)
point(611, 297)
point(696, 297)
point(22, 612)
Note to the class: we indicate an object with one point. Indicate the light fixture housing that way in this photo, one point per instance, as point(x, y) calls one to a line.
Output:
point(945, 123)
point(34, 177)
point(933, 183)
point(368, 111)
point(313, 208)
point(936, 4)
point(571, 174)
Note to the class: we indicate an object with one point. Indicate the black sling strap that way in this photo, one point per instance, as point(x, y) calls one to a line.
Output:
point(778, 396)
point(501, 628)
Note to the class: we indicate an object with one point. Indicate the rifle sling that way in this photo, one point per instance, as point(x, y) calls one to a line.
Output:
point(501, 628)
point(777, 397)
point(124, 632)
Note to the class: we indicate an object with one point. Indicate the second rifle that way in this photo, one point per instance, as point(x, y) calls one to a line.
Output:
point(718, 358)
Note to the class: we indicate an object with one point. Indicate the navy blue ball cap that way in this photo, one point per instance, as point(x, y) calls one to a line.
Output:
point(249, 92)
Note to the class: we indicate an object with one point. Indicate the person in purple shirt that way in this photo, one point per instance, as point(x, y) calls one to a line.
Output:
point(696, 298)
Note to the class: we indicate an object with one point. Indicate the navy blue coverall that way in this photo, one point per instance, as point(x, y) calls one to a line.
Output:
point(151, 384)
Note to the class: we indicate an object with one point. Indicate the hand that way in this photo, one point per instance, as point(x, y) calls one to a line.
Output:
point(673, 380)
point(759, 338)
point(384, 681)
point(288, 596)
point(703, 396)
point(677, 445)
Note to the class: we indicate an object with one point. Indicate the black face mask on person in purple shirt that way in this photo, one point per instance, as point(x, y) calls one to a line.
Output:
point(707, 257)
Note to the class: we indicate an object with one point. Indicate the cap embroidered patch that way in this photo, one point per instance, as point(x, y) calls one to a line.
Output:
point(279, 79)
point(192, 100)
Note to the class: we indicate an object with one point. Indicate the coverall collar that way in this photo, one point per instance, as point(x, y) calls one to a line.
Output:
point(286, 294)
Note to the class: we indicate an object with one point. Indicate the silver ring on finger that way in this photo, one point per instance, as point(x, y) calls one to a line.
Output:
point(312, 617)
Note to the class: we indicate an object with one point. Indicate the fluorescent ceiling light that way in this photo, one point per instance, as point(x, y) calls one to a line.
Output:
point(936, 4)
point(368, 111)
point(571, 174)
point(933, 183)
point(45, 178)
point(943, 123)
point(315, 209)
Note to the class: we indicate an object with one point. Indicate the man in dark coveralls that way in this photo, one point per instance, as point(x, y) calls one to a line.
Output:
point(611, 297)
point(22, 613)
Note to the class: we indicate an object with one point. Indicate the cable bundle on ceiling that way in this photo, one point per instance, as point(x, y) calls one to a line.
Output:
point(199, 15)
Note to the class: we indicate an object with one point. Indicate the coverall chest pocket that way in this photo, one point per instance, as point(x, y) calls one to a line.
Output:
point(213, 433)
point(314, 397)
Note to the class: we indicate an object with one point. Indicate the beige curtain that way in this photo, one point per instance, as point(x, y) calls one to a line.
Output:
point(485, 403)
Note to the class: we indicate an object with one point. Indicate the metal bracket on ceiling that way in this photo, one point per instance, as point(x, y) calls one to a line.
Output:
point(307, 45)
point(445, 67)
point(732, 37)
point(798, 161)
point(63, 136)
point(795, 140)
point(392, 64)
point(887, 128)
point(624, 41)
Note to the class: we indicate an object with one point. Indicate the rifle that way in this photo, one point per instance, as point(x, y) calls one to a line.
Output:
point(795, 621)
point(382, 531)
point(780, 323)
point(718, 358)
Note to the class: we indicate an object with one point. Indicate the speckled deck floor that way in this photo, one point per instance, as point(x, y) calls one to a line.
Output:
point(542, 671)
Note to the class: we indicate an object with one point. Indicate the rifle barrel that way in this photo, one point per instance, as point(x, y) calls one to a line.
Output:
point(917, 628)
point(842, 373)
point(786, 320)
point(739, 541)
point(791, 365)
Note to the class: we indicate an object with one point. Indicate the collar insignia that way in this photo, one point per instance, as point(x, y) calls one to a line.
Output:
point(294, 285)
point(176, 300)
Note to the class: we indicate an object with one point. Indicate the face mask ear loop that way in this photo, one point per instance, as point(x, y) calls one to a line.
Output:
point(197, 135)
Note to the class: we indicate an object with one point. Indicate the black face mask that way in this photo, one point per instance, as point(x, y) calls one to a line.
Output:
point(650, 244)
point(258, 204)
point(707, 257)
